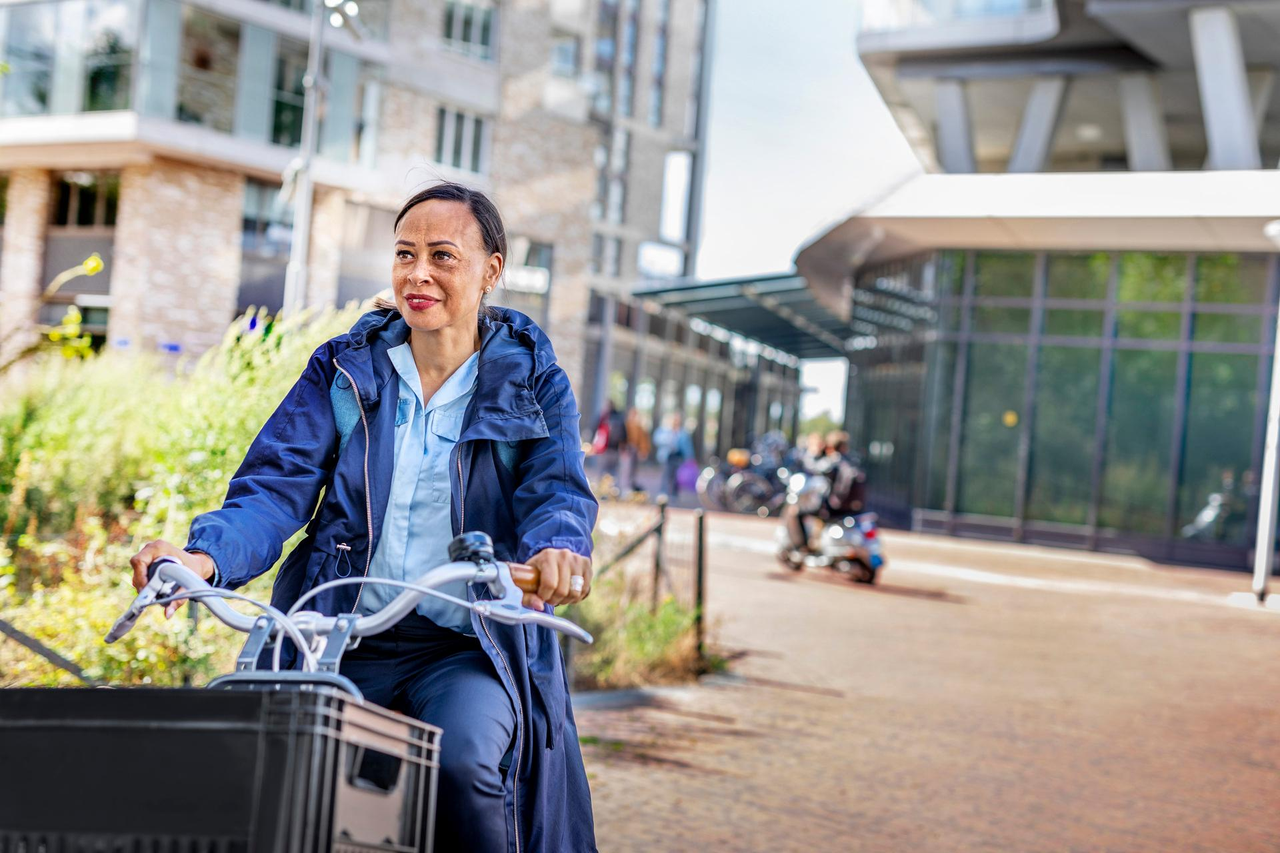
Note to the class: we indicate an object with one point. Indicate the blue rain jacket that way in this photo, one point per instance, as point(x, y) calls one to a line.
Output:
point(516, 473)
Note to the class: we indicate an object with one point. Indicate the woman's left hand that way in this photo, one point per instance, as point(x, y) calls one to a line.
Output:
point(558, 566)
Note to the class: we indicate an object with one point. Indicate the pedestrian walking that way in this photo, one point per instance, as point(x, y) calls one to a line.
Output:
point(635, 450)
point(608, 444)
point(672, 447)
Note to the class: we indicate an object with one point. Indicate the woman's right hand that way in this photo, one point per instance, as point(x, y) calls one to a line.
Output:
point(201, 564)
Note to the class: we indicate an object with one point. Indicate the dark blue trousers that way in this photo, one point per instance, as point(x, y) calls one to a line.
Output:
point(445, 678)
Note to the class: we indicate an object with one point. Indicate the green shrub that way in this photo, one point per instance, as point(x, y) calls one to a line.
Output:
point(634, 644)
point(102, 454)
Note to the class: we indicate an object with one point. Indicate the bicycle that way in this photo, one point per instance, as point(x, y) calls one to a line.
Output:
point(291, 760)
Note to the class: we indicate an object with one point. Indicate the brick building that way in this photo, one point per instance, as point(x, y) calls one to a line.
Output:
point(156, 132)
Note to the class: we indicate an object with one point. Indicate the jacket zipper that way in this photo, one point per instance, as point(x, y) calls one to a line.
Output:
point(368, 501)
point(515, 765)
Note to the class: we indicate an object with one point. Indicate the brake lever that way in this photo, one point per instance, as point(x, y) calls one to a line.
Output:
point(155, 589)
point(508, 607)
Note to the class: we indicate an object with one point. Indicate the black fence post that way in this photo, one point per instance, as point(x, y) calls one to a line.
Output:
point(659, 537)
point(700, 576)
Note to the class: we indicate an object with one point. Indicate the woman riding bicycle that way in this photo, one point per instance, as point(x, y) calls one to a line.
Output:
point(434, 415)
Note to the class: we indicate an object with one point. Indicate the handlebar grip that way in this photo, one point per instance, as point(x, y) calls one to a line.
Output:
point(526, 578)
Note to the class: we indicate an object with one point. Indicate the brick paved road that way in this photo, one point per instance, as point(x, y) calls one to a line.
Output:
point(982, 698)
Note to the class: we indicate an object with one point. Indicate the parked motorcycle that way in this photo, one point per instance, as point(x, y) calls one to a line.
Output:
point(713, 480)
point(748, 481)
point(848, 544)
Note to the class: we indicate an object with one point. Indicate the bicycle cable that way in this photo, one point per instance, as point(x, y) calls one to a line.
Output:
point(444, 596)
point(309, 659)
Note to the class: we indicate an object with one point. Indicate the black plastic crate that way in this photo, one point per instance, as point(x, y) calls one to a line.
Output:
point(222, 771)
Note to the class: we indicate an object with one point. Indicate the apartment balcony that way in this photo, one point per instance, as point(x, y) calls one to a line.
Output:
point(898, 26)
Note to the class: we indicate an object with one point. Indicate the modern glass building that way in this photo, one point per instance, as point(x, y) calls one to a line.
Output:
point(1099, 399)
point(1061, 331)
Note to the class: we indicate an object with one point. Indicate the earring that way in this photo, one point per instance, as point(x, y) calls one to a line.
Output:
point(487, 289)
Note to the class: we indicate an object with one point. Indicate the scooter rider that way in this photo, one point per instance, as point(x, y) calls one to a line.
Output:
point(848, 482)
point(845, 477)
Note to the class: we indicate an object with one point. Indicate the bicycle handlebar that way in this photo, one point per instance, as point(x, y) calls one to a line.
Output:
point(507, 582)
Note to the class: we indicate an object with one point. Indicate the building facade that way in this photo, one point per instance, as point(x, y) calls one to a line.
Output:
point(1062, 330)
point(159, 133)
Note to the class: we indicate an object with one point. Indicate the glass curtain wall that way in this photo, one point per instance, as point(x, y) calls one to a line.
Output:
point(1100, 399)
point(68, 57)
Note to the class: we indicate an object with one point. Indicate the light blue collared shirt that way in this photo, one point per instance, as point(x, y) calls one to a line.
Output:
point(418, 526)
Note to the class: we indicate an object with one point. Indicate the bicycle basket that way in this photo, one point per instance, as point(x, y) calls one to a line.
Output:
point(233, 771)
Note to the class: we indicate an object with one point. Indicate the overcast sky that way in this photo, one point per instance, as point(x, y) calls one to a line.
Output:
point(798, 139)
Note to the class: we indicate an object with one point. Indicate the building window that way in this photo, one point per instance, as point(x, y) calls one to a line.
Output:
point(539, 257)
point(656, 89)
point(659, 261)
point(267, 221)
point(615, 203)
point(367, 106)
point(86, 199)
point(676, 180)
point(468, 27)
point(207, 74)
point(291, 68)
point(630, 40)
point(620, 151)
point(527, 279)
point(98, 39)
point(601, 160)
point(29, 50)
point(606, 255)
point(461, 140)
point(597, 254)
point(565, 51)
point(108, 47)
point(693, 107)
point(606, 56)
point(613, 256)
point(265, 240)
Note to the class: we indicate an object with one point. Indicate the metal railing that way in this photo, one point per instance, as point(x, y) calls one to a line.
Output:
point(664, 554)
point(32, 644)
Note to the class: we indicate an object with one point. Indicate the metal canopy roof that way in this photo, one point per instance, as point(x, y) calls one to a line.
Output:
point(778, 311)
point(781, 311)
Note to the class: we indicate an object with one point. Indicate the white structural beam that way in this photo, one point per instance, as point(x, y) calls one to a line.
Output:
point(1224, 89)
point(1264, 552)
point(955, 133)
point(1146, 138)
point(1039, 123)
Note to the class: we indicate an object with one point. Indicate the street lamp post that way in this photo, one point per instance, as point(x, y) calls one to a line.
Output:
point(337, 13)
point(1265, 549)
point(295, 276)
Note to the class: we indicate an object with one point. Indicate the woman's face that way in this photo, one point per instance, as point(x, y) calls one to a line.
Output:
point(441, 267)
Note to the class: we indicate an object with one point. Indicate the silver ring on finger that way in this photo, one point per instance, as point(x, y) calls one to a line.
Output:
point(576, 583)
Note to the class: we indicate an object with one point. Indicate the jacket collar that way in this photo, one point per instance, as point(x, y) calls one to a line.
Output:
point(513, 353)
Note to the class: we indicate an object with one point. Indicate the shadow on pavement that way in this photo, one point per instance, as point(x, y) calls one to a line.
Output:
point(827, 577)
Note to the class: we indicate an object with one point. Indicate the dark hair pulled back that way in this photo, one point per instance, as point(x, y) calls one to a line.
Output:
point(492, 232)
